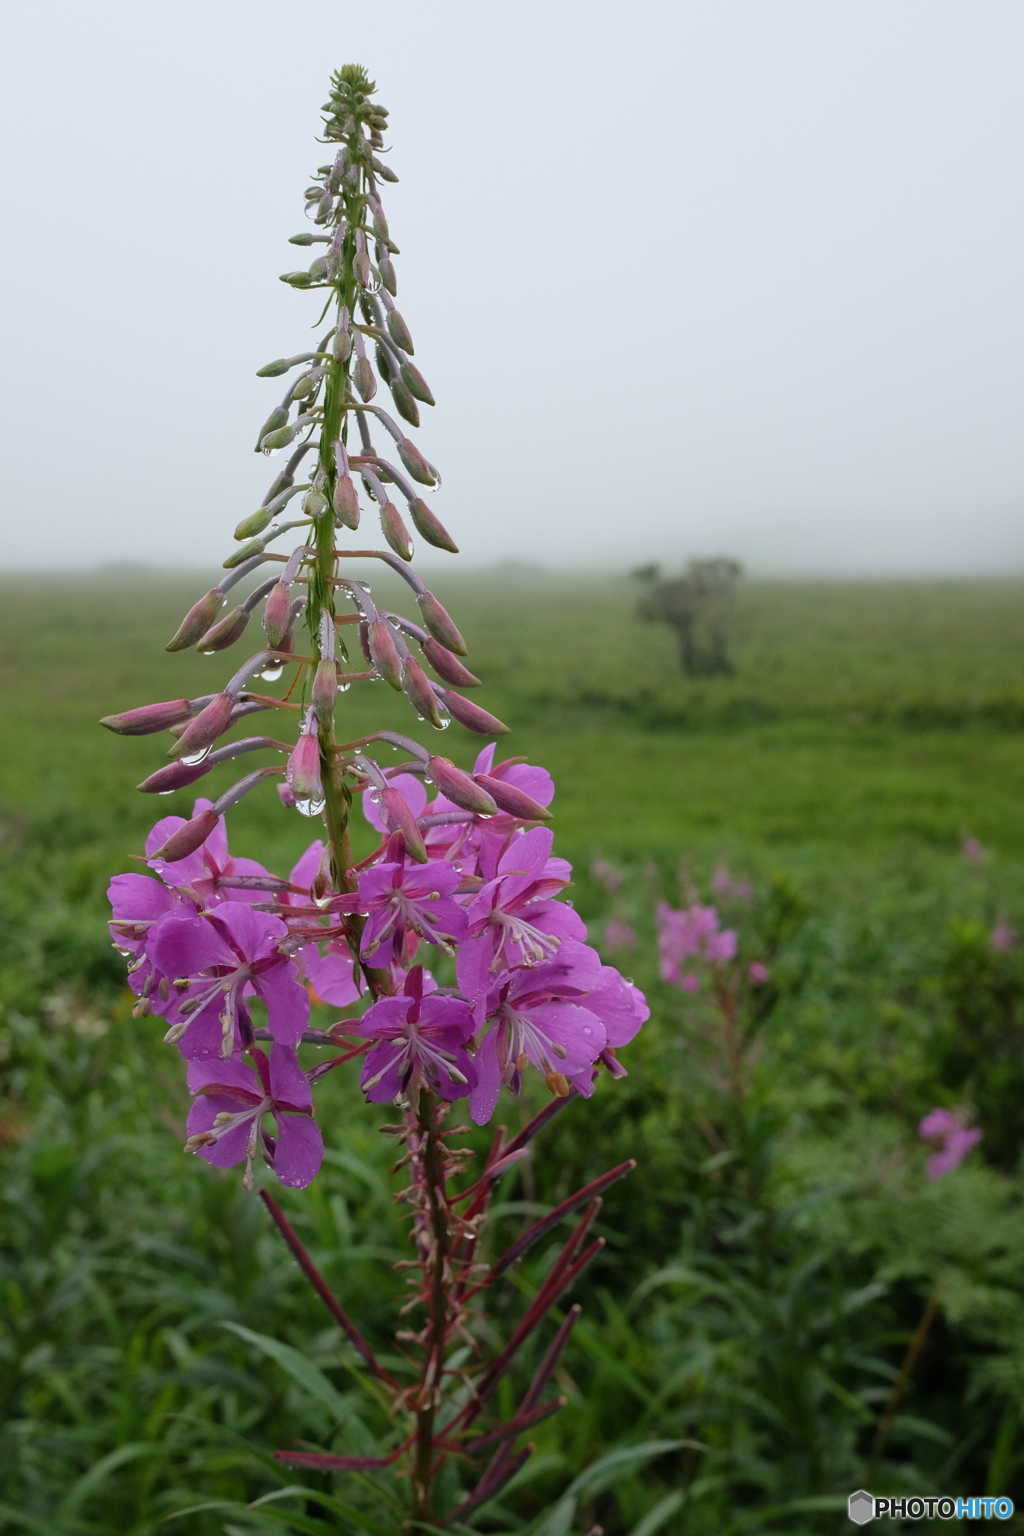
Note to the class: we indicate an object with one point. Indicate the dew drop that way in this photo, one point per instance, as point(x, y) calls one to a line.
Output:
point(273, 672)
point(307, 807)
point(160, 792)
point(446, 721)
point(195, 757)
point(344, 687)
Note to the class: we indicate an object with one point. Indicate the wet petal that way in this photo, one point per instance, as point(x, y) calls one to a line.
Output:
point(300, 1150)
point(287, 1001)
point(288, 1083)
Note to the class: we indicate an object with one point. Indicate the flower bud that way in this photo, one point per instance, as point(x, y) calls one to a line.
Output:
point(281, 437)
point(225, 633)
point(438, 622)
point(197, 621)
point(428, 527)
point(346, 502)
point(421, 694)
point(395, 531)
point(385, 367)
point(471, 715)
point(400, 332)
point(148, 718)
point(324, 693)
point(187, 838)
point(306, 383)
point(342, 346)
point(512, 800)
point(304, 239)
point(362, 268)
point(277, 613)
point(460, 788)
point(174, 776)
point(254, 523)
point(314, 503)
point(387, 273)
point(416, 384)
point(303, 770)
point(404, 402)
point(363, 379)
point(297, 279)
point(380, 223)
point(383, 652)
point(245, 552)
point(203, 731)
point(448, 667)
point(277, 418)
point(414, 461)
point(272, 370)
point(397, 817)
point(383, 171)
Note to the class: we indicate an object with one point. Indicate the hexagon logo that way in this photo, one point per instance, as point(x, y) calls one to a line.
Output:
point(861, 1507)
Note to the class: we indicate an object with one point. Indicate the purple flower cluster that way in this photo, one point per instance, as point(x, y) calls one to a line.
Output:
point(687, 935)
point(955, 1139)
point(213, 934)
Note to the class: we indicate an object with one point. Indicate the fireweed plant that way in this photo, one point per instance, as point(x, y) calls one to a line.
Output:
point(464, 863)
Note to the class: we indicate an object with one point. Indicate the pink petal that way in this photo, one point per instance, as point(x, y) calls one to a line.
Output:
point(229, 1072)
point(300, 1150)
point(483, 1099)
point(287, 1001)
point(183, 946)
point(288, 1083)
point(305, 871)
point(332, 976)
point(255, 933)
point(528, 854)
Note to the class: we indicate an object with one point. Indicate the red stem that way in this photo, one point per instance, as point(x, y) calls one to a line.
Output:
point(322, 1289)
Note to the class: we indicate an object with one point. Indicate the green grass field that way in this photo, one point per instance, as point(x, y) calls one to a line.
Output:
point(762, 1282)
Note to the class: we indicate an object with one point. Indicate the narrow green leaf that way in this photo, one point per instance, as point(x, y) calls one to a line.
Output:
point(338, 1506)
point(85, 1485)
point(26, 1521)
point(656, 1517)
point(603, 1473)
point(822, 1501)
point(300, 1369)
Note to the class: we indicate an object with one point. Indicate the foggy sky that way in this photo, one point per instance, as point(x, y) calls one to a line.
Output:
point(737, 276)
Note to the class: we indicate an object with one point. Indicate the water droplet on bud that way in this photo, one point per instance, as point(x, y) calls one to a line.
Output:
point(196, 757)
point(271, 673)
point(309, 807)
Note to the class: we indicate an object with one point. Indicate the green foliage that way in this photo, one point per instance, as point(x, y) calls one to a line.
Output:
point(768, 1263)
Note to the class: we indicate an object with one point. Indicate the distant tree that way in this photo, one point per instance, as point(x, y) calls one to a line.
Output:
point(698, 606)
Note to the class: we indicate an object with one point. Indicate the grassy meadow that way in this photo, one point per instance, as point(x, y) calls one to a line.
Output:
point(769, 1263)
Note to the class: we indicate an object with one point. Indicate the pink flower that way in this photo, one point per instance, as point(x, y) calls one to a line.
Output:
point(973, 851)
point(216, 960)
point(691, 933)
point(945, 1126)
point(558, 1017)
point(758, 973)
point(512, 921)
point(225, 1121)
point(406, 902)
point(619, 935)
point(420, 1042)
point(723, 884)
point(1003, 937)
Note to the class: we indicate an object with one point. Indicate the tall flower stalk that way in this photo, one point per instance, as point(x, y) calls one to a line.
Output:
point(464, 866)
